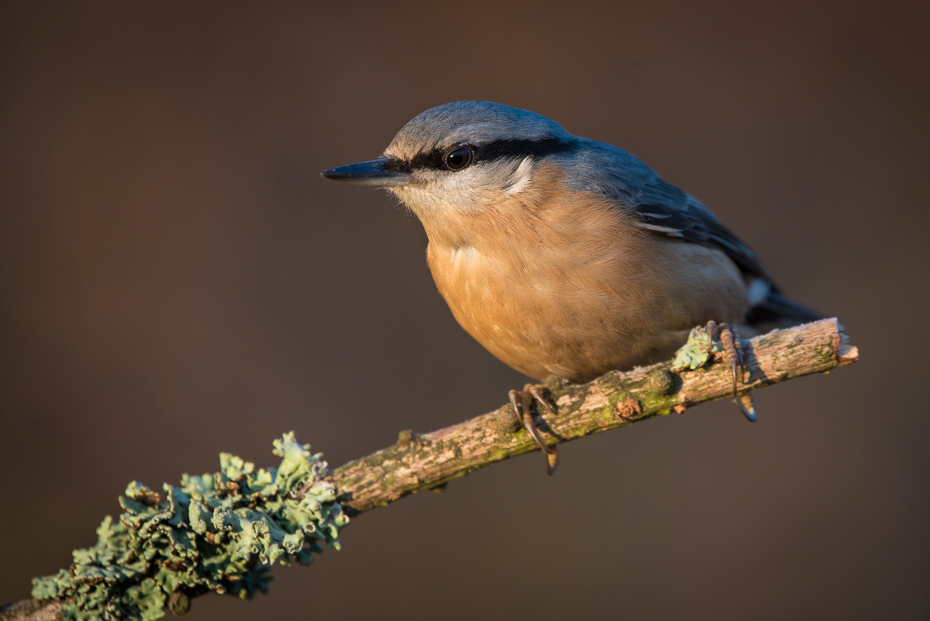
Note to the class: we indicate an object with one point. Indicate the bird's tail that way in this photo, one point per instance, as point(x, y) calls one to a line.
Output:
point(779, 311)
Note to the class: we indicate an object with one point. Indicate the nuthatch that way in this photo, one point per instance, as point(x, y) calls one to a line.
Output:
point(563, 255)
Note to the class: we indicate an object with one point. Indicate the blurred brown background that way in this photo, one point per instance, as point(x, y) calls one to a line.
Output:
point(177, 280)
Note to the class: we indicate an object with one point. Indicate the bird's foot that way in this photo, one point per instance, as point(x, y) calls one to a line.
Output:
point(522, 402)
point(733, 348)
point(703, 343)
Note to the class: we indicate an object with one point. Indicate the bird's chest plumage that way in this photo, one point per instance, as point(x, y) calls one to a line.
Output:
point(505, 300)
point(573, 300)
point(577, 291)
point(526, 308)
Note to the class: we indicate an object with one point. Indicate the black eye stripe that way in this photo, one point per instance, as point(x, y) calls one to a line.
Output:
point(522, 148)
point(430, 159)
point(499, 149)
point(394, 164)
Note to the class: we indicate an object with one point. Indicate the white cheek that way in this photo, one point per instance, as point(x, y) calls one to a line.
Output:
point(520, 178)
point(438, 197)
point(418, 200)
point(466, 192)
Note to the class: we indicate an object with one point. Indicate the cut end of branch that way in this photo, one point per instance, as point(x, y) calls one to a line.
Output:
point(846, 353)
point(429, 461)
point(613, 400)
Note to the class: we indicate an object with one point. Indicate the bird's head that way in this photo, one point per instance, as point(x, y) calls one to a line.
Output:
point(460, 157)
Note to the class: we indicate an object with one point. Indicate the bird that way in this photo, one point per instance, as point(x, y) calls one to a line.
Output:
point(563, 255)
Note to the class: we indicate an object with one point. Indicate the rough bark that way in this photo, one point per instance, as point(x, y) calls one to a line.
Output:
point(33, 610)
point(616, 399)
point(428, 461)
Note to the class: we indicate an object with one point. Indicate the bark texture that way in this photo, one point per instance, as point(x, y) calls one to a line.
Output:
point(617, 399)
point(428, 461)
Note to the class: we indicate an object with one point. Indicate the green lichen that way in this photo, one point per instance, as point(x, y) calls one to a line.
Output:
point(696, 352)
point(217, 532)
point(826, 353)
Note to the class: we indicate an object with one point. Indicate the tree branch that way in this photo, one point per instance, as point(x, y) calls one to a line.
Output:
point(617, 399)
point(417, 462)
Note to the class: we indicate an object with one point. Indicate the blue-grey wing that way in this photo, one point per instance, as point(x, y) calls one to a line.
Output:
point(665, 209)
point(660, 207)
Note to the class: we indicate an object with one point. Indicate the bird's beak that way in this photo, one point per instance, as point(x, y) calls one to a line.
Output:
point(376, 173)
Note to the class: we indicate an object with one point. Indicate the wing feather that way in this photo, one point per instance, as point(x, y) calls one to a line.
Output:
point(661, 207)
point(666, 210)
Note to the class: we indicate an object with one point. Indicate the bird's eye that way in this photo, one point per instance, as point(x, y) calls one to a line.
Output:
point(459, 158)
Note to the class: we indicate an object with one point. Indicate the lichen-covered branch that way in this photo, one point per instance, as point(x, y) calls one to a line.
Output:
point(218, 532)
point(428, 461)
point(419, 462)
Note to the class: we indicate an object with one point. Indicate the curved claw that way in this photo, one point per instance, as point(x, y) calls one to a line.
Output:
point(734, 354)
point(552, 462)
point(539, 394)
point(747, 406)
point(521, 401)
